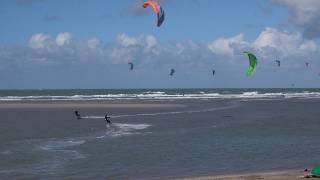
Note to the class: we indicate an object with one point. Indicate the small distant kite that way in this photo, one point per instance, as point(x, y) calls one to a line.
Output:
point(253, 62)
point(157, 9)
point(172, 72)
point(307, 64)
point(278, 63)
point(213, 72)
point(131, 65)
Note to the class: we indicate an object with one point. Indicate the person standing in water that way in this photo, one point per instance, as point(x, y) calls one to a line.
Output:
point(77, 114)
point(107, 118)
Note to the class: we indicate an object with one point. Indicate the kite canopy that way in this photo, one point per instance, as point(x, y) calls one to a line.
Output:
point(157, 9)
point(172, 72)
point(213, 72)
point(307, 64)
point(316, 171)
point(131, 65)
point(278, 62)
point(253, 62)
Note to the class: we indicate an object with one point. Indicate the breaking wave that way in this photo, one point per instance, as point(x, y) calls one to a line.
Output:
point(159, 95)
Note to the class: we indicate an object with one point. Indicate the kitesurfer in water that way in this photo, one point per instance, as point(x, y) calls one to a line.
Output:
point(107, 118)
point(77, 114)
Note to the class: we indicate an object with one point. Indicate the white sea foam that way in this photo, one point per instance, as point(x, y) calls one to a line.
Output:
point(119, 130)
point(167, 96)
point(61, 144)
point(130, 127)
point(63, 149)
point(92, 117)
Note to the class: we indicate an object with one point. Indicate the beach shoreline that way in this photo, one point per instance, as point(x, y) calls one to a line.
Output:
point(290, 174)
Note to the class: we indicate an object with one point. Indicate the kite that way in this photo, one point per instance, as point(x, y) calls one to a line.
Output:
point(172, 72)
point(131, 65)
point(253, 62)
point(157, 9)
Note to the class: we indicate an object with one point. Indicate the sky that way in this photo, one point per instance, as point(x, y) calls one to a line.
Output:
point(58, 44)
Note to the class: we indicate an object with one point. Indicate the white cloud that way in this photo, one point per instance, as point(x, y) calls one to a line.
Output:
point(148, 55)
point(125, 41)
point(94, 43)
point(226, 46)
point(128, 48)
point(284, 42)
point(271, 43)
point(148, 41)
point(63, 38)
point(39, 41)
point(151, 41)
point(304, 13)
point(44, 41)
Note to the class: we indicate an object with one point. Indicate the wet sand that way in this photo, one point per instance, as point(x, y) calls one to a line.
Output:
point(276, 175)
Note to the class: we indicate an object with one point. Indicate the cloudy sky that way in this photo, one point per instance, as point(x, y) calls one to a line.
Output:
point(88, 43)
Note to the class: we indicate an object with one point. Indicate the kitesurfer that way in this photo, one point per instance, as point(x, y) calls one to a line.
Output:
point(77, 114)
point(107, 118)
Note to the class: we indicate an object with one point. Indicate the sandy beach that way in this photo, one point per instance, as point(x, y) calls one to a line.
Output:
point(276, 175)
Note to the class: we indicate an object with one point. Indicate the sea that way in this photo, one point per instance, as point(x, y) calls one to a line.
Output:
point(156, 133)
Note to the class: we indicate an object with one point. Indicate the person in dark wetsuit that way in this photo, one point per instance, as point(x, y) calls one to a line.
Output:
point(77, 114)
point(106, 117)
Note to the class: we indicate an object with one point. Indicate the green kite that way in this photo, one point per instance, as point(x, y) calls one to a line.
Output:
point(253, 62)
point(316, 171)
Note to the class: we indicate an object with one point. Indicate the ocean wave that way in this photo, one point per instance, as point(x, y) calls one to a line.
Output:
point(159, 95)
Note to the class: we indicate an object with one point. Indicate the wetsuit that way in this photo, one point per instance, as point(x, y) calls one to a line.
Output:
point(77, 114)
point(107, 119)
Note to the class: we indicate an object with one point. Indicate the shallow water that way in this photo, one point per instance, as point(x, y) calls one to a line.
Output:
point(204, 137)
